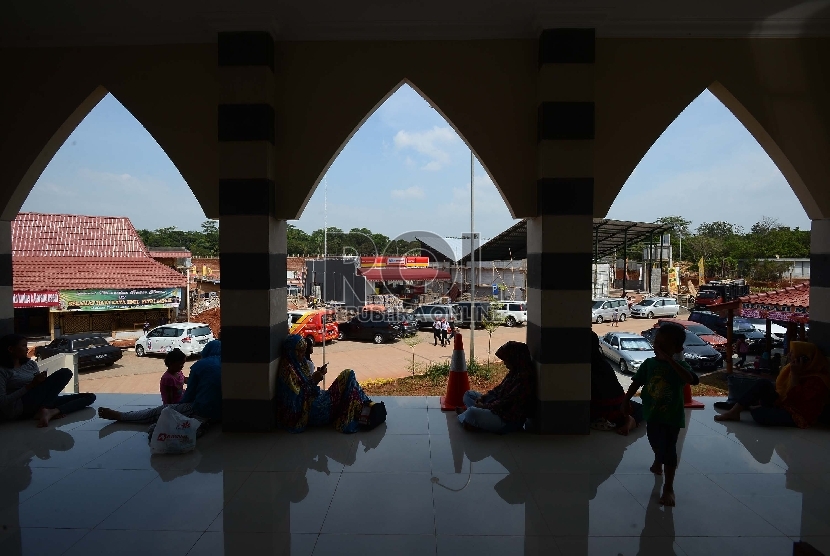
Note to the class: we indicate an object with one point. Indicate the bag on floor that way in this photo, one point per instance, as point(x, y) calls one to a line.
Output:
point(174, 433)
point(372, 415)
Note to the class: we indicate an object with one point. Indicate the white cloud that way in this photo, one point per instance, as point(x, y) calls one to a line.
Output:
point(431, 144)
point(413, 192)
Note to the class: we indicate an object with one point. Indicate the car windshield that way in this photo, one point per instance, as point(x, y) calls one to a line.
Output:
point(699, 329)
point(647, 302)
point(634, 344)
point(693, 340)
point(597, 304)
point(742, 326)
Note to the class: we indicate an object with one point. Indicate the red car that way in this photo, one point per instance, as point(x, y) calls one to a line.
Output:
point(706, 334)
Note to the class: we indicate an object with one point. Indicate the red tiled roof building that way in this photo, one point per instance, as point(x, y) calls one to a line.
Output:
point(64, 252)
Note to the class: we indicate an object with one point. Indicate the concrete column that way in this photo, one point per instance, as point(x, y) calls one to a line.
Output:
point(252, 241)
point(6, 306)
point(820, 284)
point(559, 238)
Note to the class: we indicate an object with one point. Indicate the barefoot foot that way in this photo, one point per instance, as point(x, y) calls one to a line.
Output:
point(656, 468)
point(668, 498)
point(728, 416)
point(630, 425)
point(107, 413)
point(45, 415)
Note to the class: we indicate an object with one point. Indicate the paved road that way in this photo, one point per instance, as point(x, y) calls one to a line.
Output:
point(140, 375)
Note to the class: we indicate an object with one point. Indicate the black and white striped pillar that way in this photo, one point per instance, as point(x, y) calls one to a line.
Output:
point(820, 285)
point(252, 241)
point(559, 238)
point(6, 289)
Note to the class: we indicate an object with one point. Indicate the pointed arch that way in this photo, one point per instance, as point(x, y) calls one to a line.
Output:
point(356, 128)
point(21, 190)
point(770, 146)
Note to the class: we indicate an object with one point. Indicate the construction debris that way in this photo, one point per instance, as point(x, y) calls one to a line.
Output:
point(211, 317)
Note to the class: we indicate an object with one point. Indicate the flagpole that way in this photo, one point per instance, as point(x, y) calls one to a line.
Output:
point(472, 265)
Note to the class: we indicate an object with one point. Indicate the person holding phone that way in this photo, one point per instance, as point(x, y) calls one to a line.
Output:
point(26, 392)
point(317, 375)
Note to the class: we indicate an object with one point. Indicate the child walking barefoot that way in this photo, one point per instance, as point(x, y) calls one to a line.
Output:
point(172, 381)
point(662, 379)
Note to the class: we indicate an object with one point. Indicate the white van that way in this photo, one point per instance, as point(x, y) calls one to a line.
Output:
point(651, 307)
point(603, 310)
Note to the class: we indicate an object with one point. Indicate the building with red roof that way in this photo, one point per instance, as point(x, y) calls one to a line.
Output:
point(74, 273)
point(790, 304)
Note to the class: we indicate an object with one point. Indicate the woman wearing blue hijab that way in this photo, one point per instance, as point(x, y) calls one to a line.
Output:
point(302, 402)
point(202, 399)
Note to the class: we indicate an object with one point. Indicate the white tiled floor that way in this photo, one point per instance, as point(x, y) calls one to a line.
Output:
point(418, 485)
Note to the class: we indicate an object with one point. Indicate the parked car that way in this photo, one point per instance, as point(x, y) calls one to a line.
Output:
point(511, 313)
point(93, 350)
point(778, 332)
point(425, 315)
point(741, 327)
point(371, 325)
point(603, 309)
point(698, 354)
point(190, 337)
point(464, 313)
point(706, 334)
point(409, 326)
point(308, 323)
point(651, 307)
point(627, 349)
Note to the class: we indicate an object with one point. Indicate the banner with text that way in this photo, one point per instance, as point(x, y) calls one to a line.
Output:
point(35, 299)
point(108, 300)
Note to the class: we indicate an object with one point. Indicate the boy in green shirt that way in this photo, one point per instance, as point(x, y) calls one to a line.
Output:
point(663, 378)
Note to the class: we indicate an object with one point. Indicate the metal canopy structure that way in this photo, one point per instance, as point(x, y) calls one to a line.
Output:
point(610, 236)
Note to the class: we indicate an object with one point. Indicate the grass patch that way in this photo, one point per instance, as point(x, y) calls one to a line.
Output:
point(431, 380)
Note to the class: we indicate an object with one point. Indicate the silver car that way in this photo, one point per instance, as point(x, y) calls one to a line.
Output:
point(603, 310)
point(651, 307)
point(627, 349)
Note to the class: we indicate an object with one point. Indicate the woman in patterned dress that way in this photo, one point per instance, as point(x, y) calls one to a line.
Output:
point(302, 403)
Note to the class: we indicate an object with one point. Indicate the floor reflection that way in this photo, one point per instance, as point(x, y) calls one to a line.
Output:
point(418, 485)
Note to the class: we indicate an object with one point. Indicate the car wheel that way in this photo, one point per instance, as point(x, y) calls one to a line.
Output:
point(310, 339)
point(340, 336)
point(378, 339)
point(622, 317)
point(599, 319)
point(623, 366)
point(650, 315)
point(139, 351)
point(510, 321)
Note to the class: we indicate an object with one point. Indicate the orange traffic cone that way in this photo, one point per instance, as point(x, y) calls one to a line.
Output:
point(458, 382)
point(688, 401)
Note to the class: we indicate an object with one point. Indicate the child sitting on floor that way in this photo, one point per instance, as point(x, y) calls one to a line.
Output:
point(172, 381)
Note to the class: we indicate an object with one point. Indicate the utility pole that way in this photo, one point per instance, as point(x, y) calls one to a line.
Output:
point(188, 295)
point(472, 264)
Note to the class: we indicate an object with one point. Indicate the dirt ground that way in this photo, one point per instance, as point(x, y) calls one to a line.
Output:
point(140, 375)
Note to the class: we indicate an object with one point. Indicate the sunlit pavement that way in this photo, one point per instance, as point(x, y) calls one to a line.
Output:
point(417, 485)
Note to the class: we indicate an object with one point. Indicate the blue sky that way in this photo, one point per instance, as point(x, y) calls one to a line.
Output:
point(412, 170)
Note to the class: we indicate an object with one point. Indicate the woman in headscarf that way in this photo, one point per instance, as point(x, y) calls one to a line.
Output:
point(202, 399)
point(798, 396)
point(607, 395)
point(302, 403)
point(506, 407)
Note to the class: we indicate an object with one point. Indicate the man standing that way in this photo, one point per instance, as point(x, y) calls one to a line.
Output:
point(445, 331)
point(436, 332)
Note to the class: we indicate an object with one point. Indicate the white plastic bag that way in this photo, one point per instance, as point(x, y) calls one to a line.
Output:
point(174, 433)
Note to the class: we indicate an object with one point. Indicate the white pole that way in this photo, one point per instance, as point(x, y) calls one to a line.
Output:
point(472, 265)
point(188, 295)
point(325, 258)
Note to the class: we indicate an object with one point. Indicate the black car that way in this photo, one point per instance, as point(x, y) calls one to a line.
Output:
point(377, 327)
point(698, 354)
point(93, 350)
point(740, 328)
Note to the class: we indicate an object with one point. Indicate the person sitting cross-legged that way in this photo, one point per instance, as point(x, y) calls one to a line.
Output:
point(506, 407)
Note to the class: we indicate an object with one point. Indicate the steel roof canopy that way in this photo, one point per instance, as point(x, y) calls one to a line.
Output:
point(608, 235)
